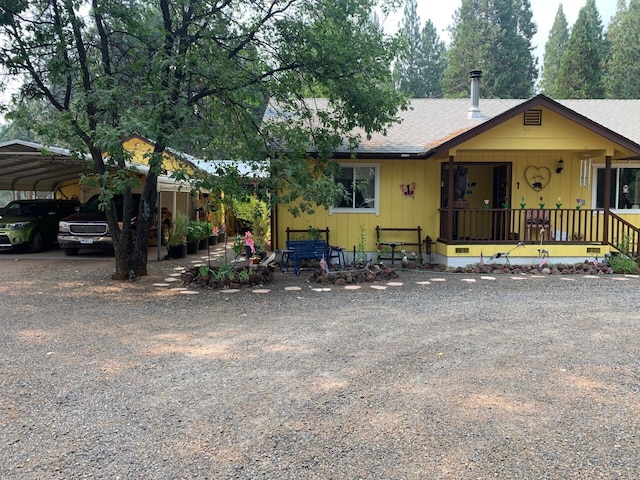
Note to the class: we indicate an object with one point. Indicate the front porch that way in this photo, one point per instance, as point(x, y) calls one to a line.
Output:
point(468, 235)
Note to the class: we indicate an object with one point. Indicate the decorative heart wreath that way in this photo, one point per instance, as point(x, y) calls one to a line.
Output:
point(537, 177)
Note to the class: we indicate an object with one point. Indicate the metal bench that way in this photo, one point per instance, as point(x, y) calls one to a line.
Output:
point(299, 250)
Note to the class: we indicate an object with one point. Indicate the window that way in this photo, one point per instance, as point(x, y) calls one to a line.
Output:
point(625, 188)
point(361, 182)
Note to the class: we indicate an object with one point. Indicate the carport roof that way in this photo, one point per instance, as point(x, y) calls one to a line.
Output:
point(34, 167)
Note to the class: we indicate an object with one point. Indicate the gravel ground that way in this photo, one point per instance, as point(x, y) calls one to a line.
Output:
point(457, 379)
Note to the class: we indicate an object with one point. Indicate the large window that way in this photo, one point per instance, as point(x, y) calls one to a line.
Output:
point(361, 184)
point(625, 188)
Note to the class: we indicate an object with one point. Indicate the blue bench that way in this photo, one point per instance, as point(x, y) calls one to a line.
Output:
point(299, 250)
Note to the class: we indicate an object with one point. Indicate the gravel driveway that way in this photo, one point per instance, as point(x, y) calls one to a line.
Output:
point(455, 377)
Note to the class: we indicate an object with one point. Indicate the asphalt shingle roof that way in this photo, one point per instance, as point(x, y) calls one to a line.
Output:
point(431, 122)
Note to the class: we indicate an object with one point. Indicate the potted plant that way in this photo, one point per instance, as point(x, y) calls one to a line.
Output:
point(193, 237)
point(204, 229)
point(177, 247)
point(214, 233)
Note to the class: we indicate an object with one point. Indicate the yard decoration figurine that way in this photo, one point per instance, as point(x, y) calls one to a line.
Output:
point(460, 183)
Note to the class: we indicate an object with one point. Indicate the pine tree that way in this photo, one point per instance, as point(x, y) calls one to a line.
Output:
point(433, 54)
point(553, 51)
point(623, 64)
point(419, 66)
point(580, 74)
point(493, 36)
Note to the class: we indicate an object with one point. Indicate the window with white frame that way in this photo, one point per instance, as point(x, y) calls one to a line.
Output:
point(625, 187)
point(361, 182)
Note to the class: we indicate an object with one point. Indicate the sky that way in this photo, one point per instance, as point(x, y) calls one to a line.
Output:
point(441, 14)
point(544, 12)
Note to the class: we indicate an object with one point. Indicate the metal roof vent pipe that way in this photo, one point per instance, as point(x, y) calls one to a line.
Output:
point(474, 109)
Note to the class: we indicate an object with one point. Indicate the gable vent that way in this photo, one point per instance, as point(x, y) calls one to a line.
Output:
point(533, 117)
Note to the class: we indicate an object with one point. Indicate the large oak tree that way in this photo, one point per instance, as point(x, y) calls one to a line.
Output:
point(196, 74)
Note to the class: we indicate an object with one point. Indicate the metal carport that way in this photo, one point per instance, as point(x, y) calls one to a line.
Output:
point(27, 166)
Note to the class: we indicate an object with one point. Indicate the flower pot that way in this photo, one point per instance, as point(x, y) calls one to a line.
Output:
point(247, 251)
point(192, 247)
point(177, 251)
point(202, 244)
point(213, 239)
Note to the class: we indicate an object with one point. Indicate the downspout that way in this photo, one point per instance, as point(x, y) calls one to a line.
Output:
point(450, 201)
point(607, 199)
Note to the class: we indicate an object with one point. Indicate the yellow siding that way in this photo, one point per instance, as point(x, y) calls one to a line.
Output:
point(141, 149)
point(522, 148)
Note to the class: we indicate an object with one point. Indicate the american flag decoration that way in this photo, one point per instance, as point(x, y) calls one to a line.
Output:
point(323, 265)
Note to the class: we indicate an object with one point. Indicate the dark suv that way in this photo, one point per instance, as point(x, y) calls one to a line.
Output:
point(33, 224)
point(88, 228)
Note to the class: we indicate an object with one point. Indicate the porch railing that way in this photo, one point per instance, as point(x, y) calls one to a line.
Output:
point(623, 234)
point(530, 225)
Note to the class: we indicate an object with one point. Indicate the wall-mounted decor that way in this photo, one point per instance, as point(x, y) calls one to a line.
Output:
point(408, 190)
point(537, 177)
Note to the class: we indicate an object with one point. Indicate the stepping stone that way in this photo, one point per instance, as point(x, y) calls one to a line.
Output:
point(469, 280)
point(230, 290)
point(395, 284)
point(171, 279)
point(160, 284)
point(487, 278)
point(518, 278)
point(538, 276)
point(179, 268)
point(426, 282)
point(623, 279)
point(591, 276)
point(188, 292)
point(352, 287)
point(321, 289)
point(261, 290)
point(378, 287)
point(175, 274)
point(565, 279)
point(438, 279)
point(292, 289)
point(177, 289)
point(628, 275)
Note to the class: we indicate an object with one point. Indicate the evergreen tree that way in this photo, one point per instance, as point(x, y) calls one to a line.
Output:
point(623, 64)
point(419, 65)
point(553, 51)
point(433, 53)
point(580, 74)
point(493, 36)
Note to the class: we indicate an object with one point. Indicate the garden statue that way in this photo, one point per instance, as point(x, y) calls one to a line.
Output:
point(460, 183)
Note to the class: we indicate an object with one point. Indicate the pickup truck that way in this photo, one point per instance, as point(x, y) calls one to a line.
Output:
point(88, 228)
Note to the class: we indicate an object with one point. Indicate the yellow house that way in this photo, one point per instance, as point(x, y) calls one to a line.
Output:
point(529, 178)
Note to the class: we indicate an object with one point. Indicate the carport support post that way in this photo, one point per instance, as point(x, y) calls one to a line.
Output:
point(158, 221)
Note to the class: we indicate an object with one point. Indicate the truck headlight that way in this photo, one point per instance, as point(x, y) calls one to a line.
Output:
point(63, 227)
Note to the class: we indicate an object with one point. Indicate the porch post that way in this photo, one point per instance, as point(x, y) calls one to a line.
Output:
point(450, 200)
point(607, 200)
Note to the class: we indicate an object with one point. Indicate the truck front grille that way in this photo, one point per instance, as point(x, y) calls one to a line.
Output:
point(88, 228)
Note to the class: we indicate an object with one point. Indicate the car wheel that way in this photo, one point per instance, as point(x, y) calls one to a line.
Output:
point(71, 252)
point(36, 242)
point(165, 233)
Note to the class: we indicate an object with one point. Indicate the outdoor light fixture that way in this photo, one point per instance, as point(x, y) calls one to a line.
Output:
point(560, 166)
